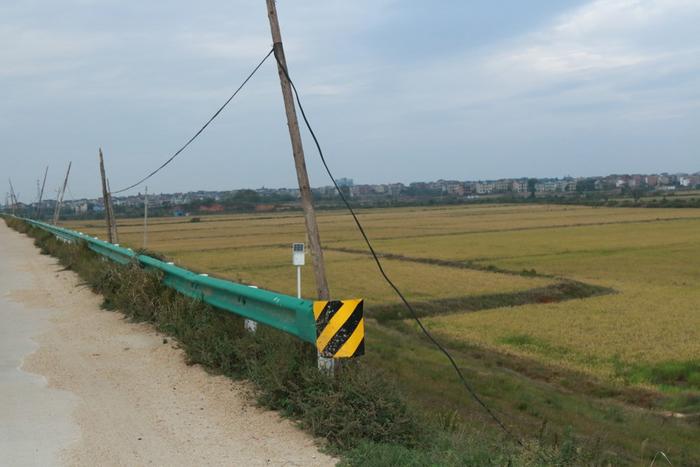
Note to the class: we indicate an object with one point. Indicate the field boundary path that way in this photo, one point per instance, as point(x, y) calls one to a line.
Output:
point(83, 386)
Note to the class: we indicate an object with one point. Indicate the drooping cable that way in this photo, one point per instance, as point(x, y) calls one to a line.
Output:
point(216, 114)
point(378, 262)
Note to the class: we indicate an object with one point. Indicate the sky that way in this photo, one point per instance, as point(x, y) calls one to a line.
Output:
point(397, 91)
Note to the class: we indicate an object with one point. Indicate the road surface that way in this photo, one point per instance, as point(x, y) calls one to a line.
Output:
point(83, 386)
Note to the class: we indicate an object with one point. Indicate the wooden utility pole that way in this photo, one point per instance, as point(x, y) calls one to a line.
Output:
point(41, 194)
point(55, 207)
point(299, 162)
point(57, 212)
point(13, 198)
point(115, 235)
point(107, 198)
point(145, 218)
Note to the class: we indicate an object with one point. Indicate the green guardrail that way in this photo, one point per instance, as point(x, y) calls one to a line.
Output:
point(286, 313)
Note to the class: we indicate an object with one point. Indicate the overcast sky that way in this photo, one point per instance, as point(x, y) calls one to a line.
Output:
point(396, 90)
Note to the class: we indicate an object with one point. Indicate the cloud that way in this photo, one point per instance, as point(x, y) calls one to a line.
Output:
point(605, 17)
point(220, 45)
point(30, 51)
point(602, 36)
point(609, 55)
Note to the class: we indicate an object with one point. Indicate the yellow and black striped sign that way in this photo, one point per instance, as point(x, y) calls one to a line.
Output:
point(340, 328)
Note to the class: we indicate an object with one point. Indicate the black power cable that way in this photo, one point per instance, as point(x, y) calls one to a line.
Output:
point(200, 130)
point(437, 344)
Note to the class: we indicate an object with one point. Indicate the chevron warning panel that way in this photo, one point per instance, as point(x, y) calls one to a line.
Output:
point(340, 328)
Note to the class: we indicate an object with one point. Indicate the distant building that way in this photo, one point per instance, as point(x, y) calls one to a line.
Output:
point(501, 186)
point(455, 188)
point(520, 186)
point(484, 188)
point(83, 207)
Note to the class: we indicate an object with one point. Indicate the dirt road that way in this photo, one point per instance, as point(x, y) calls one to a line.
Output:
point(82, 386)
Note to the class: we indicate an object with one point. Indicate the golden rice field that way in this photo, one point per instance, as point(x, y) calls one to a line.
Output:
point(650, 257)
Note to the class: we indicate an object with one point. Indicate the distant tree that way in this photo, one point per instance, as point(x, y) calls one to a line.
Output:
point(242, 200)
point(585, 185)
point(637, 193)
point(532, 186)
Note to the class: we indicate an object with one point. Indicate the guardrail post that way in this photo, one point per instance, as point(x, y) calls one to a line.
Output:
point(248, 324)
point(327, 365)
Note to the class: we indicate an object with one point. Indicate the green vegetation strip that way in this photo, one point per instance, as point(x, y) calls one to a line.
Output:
point(565, 290)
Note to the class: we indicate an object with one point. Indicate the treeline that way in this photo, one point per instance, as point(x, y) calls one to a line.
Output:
point(243, 201)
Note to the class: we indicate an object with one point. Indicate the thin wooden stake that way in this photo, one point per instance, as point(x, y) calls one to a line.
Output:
point(41, 194)
point(57, 212)
point(145, 218)
point(107, 198)
point(13, 198)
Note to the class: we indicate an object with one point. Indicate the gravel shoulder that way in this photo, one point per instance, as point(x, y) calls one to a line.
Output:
point(97, 389)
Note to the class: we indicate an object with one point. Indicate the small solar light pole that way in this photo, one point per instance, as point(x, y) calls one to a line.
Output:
point(298, 261)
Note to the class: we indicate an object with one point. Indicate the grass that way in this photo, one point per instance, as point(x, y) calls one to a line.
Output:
point(677, 374)
point(558, 292)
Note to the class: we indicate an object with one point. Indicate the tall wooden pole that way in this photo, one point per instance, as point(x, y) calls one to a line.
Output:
point(41, 194)
point(299, 162)
point(115, 235)
point(13, 197)
point(55, 208)
point(107, 198)
point(145, 218)
point(57, 213)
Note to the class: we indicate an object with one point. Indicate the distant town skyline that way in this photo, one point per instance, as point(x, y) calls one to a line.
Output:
point(662, 181)
point(396, 91)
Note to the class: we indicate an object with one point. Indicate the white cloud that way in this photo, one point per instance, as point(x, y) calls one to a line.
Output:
point(613, 16)
point(602, 36)
point(570, 58)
